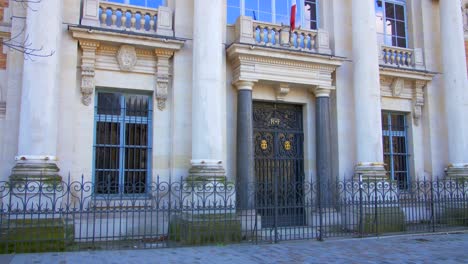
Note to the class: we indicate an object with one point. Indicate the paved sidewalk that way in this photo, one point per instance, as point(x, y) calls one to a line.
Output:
point(434, 248)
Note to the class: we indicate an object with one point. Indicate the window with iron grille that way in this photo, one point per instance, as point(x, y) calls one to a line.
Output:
point(395, 147)
point(391, 22)
point(274, 11)
point(122, 149)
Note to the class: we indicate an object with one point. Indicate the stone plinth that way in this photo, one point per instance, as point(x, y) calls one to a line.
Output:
point(457, 170)
point(371, 170)
point(206, 171)
point(35, 169)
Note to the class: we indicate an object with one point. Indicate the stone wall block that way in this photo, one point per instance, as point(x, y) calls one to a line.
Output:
point(90, 13)
point(244, 30)
point(323, 42)
point(164, 23)
point(418, 59)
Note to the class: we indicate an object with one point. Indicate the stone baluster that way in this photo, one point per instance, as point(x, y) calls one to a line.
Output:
point(123, 19)
point(262, 34)
point(277, 34)
point(104, 18)
point(142, 22)
point(113, 18)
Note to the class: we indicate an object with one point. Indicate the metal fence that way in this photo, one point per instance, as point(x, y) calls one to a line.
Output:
point(41, 215)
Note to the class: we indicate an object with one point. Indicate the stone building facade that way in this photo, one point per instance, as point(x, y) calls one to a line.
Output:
point(124, 91)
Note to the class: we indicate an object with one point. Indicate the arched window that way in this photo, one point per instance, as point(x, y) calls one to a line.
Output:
point(391, 22)
point(274, 11)
point(145, 3)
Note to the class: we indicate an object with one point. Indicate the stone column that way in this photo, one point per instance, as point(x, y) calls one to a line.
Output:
point(208, 102)
point(37, 140)
point(455, 82)
point(369, 150)
point(323, 144)
point(245, 147)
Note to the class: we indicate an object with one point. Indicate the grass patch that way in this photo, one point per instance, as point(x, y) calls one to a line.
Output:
point(37, 235)
point(455, 216)
point(218, 229)
point(383, 220)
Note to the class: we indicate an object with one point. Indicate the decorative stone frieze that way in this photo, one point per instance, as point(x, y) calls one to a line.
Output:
point(123, 52)
point(127, 57)
point(88, 62)
point(405, 84)
point(162, 76)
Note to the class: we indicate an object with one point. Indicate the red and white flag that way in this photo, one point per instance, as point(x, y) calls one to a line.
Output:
point(293, 15)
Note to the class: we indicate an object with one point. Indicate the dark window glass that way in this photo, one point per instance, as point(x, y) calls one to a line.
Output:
point(108, 104)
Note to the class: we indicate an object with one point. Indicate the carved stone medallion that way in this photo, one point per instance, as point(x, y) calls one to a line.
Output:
point(127, 58)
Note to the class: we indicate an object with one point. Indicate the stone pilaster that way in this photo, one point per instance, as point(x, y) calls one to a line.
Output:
point(455, 82)
point(245, 147)
point(208, 92)
point(37, 140)
point(369, 150)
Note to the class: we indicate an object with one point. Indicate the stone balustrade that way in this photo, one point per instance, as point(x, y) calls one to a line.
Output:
point(126, 17)
point(249, 31)
point(110, 15)
point(401, 57)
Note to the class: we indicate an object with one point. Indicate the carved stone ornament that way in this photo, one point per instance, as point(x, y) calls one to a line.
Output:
point(87, 85)
point(418, 101)
point(162, 91)
point(281, 91)
point(397, 86)
point(88, 61)
point(127, 57)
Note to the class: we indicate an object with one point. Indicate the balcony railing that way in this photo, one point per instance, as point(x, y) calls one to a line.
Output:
point(110, 15)
point(401, 57)
point(249, 31)
point(119, 16)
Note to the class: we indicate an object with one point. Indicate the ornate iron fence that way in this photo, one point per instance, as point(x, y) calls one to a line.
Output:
point(40, 215)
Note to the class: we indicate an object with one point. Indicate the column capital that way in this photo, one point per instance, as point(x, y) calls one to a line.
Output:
point(244, 85)
point(322, 91)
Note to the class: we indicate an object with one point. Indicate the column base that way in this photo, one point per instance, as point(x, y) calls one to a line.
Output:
point(457, 170)
point(207, 170)
point(31, 168)
point(371, 170)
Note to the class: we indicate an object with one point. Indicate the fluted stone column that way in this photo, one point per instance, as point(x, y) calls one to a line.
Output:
point(455, 82)
point(208, 102)
point(323, 144)
point(245, 147)
point(37, 140)
point(369, 150)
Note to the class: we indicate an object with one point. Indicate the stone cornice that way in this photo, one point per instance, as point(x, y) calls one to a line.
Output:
point(406, 73)
point(284, 56)
point(120, 38)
